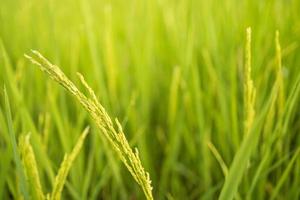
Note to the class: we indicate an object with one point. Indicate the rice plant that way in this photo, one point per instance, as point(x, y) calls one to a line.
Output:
point(115, 136)
point(207, 91)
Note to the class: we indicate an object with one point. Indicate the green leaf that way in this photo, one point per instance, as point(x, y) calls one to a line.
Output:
point(20, 173)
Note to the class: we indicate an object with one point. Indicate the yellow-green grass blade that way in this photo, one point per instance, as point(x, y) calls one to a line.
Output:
point(20, 172)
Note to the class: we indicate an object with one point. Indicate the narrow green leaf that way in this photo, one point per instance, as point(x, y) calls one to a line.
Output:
point(285, 175)
point(20, 173)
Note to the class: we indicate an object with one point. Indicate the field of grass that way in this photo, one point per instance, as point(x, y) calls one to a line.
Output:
point(149, 99)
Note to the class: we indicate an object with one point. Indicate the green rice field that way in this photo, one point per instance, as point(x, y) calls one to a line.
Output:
point(149, 99)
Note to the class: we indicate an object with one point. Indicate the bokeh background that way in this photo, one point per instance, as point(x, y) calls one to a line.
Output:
point(171, 71)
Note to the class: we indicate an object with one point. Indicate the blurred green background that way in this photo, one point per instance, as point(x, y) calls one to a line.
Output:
point(171, 72)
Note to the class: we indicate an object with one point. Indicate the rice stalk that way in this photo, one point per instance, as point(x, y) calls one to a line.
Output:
point(279, 76)
point(251, 130)
point(65, 167)
point(30, 166)
point(271, 120)
point(115, 136)
point(249, 90)
point(277, 105)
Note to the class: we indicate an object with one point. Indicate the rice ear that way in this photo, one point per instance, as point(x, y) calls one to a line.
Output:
point(29, 163)
point(103, 121)
point(249, 89)
point(65, 167)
